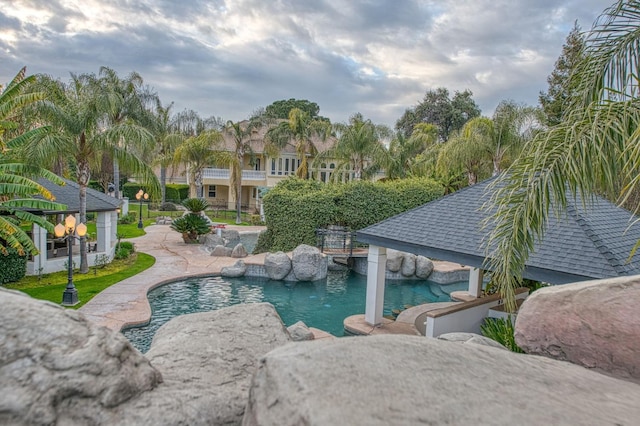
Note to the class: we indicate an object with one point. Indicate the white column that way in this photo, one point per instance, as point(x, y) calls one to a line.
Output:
point(40, 241)
point(103, 227)
point(114, 229)
point(475, 282)
point(376, 267)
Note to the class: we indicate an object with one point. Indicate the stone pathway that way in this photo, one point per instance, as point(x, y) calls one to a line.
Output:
point(125, 303)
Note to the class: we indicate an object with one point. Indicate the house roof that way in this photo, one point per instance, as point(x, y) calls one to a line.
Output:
point(582, 244)
point(69, 196)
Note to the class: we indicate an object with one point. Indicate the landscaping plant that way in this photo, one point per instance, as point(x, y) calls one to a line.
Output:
point(501, 330)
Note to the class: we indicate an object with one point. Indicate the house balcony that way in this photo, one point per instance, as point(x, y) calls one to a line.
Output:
point(223, 176)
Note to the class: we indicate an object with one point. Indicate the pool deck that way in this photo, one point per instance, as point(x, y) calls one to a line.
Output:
point(126, 304)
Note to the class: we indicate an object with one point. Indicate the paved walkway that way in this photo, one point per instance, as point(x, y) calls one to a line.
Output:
point(125, 303)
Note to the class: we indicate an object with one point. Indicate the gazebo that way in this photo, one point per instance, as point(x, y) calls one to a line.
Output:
point(51, 256)
point(582, 244)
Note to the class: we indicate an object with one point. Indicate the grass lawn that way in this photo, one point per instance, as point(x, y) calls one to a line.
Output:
point(51, 286)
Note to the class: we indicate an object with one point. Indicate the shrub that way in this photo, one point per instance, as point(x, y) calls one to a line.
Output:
point(176, 192)
point(191, 226)
point(295, 208)
point(128, 218)
point(122, 253)
point(168, 207)
point(255, 219)
point(13, 266)
point(130, 189)
point(195, 205)
point(501, 330)
point(127, 244)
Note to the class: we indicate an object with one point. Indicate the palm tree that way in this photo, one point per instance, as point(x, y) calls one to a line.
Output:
point(75, 114)
point(16, 189)
point(241, 134)
point(595, 149)
point(164, 129)
point(400, 160)
point(122, 99)
point(302, 130)
point(359, 141)
point(198, 152)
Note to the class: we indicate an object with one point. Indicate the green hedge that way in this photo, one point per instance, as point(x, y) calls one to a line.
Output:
point(13, 266)
point(176, 192)
point(295, 208)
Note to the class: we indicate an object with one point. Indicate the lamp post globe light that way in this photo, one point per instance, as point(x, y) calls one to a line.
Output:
point(70, 231)
point(141, 195)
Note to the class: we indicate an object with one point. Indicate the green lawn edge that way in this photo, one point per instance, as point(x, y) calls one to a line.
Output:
point(88, 285)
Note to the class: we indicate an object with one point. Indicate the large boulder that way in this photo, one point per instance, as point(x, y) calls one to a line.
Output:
point(308, 263)
point(594, 324)
point(56, 367)
point(212, 240)
point(277, 265)
point(408, 268)
point(470, 338)
point(238, 269)
point(424, 267)
point(221, 251)
point(394, 260)
point(207, 360)
point(384, 380)
point(239, 251)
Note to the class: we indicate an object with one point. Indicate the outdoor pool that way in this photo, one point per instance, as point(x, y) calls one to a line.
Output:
point(321, 304)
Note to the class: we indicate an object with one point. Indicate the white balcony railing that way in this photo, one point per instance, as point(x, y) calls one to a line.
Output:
point(210, 173)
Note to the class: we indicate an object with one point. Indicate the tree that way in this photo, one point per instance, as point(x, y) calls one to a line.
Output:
point(556, 99)
point(448, 114)
point(241, 135)
point(198, 152)
point(122, 99)
point(596, 147)
point(75, 113)
point(302, 130)
point(281, 109)
point(359, 142)
point(164, 129)
point(16, 188)
point(467, 151)
point(399, 160)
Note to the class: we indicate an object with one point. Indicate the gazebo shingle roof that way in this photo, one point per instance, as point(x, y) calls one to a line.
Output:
point(69, 195)
point(581, 244)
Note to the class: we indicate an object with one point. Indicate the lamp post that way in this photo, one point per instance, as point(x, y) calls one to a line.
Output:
point(70, 295)
point(140, 196)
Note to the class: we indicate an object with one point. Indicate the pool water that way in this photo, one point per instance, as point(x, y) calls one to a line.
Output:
point(322, 304)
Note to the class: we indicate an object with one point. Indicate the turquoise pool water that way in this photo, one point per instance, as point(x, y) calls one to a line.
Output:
point(321, 304)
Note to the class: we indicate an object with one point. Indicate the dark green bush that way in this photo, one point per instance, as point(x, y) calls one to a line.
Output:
point(191, 226)
point(122, 253)
point(176, 192)
point(13, 266)
point(127, 245)
point(295, 208)
point(195, 205)
point(130, 189)
point(128, 218)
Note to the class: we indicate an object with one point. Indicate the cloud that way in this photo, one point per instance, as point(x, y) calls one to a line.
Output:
point(227, 58)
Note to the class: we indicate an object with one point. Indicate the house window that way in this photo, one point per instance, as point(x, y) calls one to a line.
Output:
point(279, 166)
point(211, 191)
point(254, 193)
point(273, 166)
point(286, 166)
point(257, 164)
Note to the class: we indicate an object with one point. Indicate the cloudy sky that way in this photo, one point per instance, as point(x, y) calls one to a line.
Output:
point(228, 58)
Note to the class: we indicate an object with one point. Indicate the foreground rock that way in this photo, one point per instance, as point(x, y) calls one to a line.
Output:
point(383, 380)
point(56, 367)
point(300, 332)
point(594, 324)
point(471, 339)
point(207, 360)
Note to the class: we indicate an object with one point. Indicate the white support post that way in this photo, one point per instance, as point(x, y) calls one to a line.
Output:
point(40, 241)
point(376, 267)
point(103, 228)
point(114, 230)
point(475, 282)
